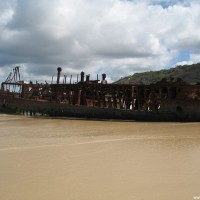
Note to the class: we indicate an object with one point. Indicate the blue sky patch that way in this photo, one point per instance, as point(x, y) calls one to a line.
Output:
point(184, 55)
point(166, 4)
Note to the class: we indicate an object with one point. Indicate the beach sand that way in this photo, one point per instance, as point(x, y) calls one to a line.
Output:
point(67, 159)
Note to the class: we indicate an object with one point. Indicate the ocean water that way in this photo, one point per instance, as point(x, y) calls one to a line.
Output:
point(68, 159)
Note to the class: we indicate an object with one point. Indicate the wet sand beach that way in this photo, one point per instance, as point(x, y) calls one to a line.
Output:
point(67, 159)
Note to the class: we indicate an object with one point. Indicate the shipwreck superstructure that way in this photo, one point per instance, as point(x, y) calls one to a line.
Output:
point(167, 100)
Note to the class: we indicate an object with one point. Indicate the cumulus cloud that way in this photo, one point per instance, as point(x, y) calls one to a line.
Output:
point(118, 37)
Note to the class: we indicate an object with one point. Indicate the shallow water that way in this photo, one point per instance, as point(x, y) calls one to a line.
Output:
point(48, 159)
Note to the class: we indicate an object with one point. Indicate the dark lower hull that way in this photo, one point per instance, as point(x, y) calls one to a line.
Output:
point(13, 105)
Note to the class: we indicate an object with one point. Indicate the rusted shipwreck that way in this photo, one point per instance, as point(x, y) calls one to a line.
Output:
point(167, 100)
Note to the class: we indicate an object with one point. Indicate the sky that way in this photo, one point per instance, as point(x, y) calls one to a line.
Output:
point(116, 37)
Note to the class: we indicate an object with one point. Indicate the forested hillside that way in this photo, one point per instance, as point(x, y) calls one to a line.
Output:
point(189, 73)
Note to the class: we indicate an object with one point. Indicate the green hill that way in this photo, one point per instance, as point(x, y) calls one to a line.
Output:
point(188, 73)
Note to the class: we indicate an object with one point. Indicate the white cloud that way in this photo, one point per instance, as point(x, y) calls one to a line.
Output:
point(118, 37)
point(195, 57)
point(183, 63)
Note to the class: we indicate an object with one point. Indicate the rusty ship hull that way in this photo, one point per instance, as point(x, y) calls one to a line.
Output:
point(13, 105)
point(169, 110)
point(163, 101)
